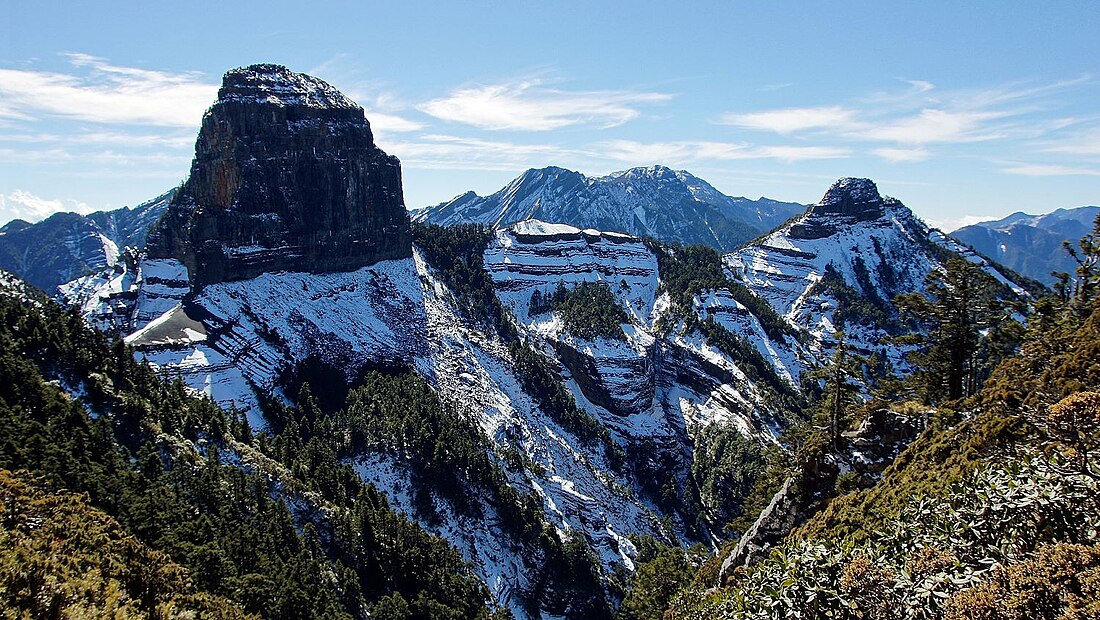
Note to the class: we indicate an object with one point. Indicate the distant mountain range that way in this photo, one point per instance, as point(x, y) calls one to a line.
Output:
point(671, 205)
point(66, 246)
point(1031, 244)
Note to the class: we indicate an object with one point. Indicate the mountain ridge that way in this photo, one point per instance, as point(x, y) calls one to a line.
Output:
point(653, 201)
point(1032, 244)
point(539, 394)
point(67, 245)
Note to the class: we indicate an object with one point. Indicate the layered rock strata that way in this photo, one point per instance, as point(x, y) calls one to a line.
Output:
point(286, 177)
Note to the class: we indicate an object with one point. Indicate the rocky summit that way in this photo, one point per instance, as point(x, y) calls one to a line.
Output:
point(286, 177)
point(848, 201)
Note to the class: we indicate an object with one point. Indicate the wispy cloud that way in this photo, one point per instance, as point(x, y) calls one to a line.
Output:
point(682, 153)
point(1085, 142)
point(927, 126)
point(383, 108)
point(902, 155)
point(790, 120)
point(1050, 170)
point(909, 120)
point(931, 126)
point(118, 138)
point(120, 157)
point(530, 106)
point(464, 153)
point(26, 206)
point(101, 92)
point(954, 223)
point(392, 123)
point(800, 153)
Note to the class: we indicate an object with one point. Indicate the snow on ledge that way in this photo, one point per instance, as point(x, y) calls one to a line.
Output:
point(541, 228)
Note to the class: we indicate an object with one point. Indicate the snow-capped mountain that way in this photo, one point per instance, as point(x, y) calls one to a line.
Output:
point(655, 390)
point(600, 428)
point(852, 245)
point(670, 205)
point(238, 341)
point(65, 246)
point(1031, 244)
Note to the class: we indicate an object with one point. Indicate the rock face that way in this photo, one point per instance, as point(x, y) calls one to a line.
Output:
point(286, 177)
point(848, 201)
point(839, 266)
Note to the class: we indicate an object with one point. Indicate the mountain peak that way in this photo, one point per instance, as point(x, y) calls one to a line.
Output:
point(656, 201)
point(656, 171)
point(847, 201)
point(548, 172)
point(852, 196)
point(286, 177)
point(276, 85)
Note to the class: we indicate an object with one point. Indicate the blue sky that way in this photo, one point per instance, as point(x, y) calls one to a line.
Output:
point(961, 110)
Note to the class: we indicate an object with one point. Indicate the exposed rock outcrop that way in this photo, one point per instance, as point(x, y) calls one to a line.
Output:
point(286, 177)
point(878, 440)
point(849, 200)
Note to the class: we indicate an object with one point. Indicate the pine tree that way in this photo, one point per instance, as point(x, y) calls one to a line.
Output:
point(1080, 295)
point(841, 376)
point(956, 315)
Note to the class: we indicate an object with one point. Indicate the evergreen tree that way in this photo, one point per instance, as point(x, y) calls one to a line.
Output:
point(841, 387)
point(1083, 291)
point(957, 315)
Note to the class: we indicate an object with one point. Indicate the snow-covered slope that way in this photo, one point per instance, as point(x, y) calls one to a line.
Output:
point(127, 295)
point(237, 341)
point(65, 246)
point(658, 202)
point(853, 242)
point(656, 390)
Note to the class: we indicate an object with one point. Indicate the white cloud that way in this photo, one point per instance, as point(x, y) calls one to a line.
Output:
point(459, 153)
point(800, 153)
point(932, 125)
point(528, 106)
point(1050, 170)
point(682, 153)
point(105, 93)
point(391, 123)
point(1079, 143)
point(902, 155)
point(38, 156)
point(921, 86)
point(954, 223)
point(26, 206)
point(118, 138)
point(790, 120)
point(904, 121)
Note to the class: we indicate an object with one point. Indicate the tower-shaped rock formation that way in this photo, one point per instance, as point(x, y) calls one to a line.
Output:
point(286, 177)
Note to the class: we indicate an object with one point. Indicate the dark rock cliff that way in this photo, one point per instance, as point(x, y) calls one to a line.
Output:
point(286, 177)
point(848, 201)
